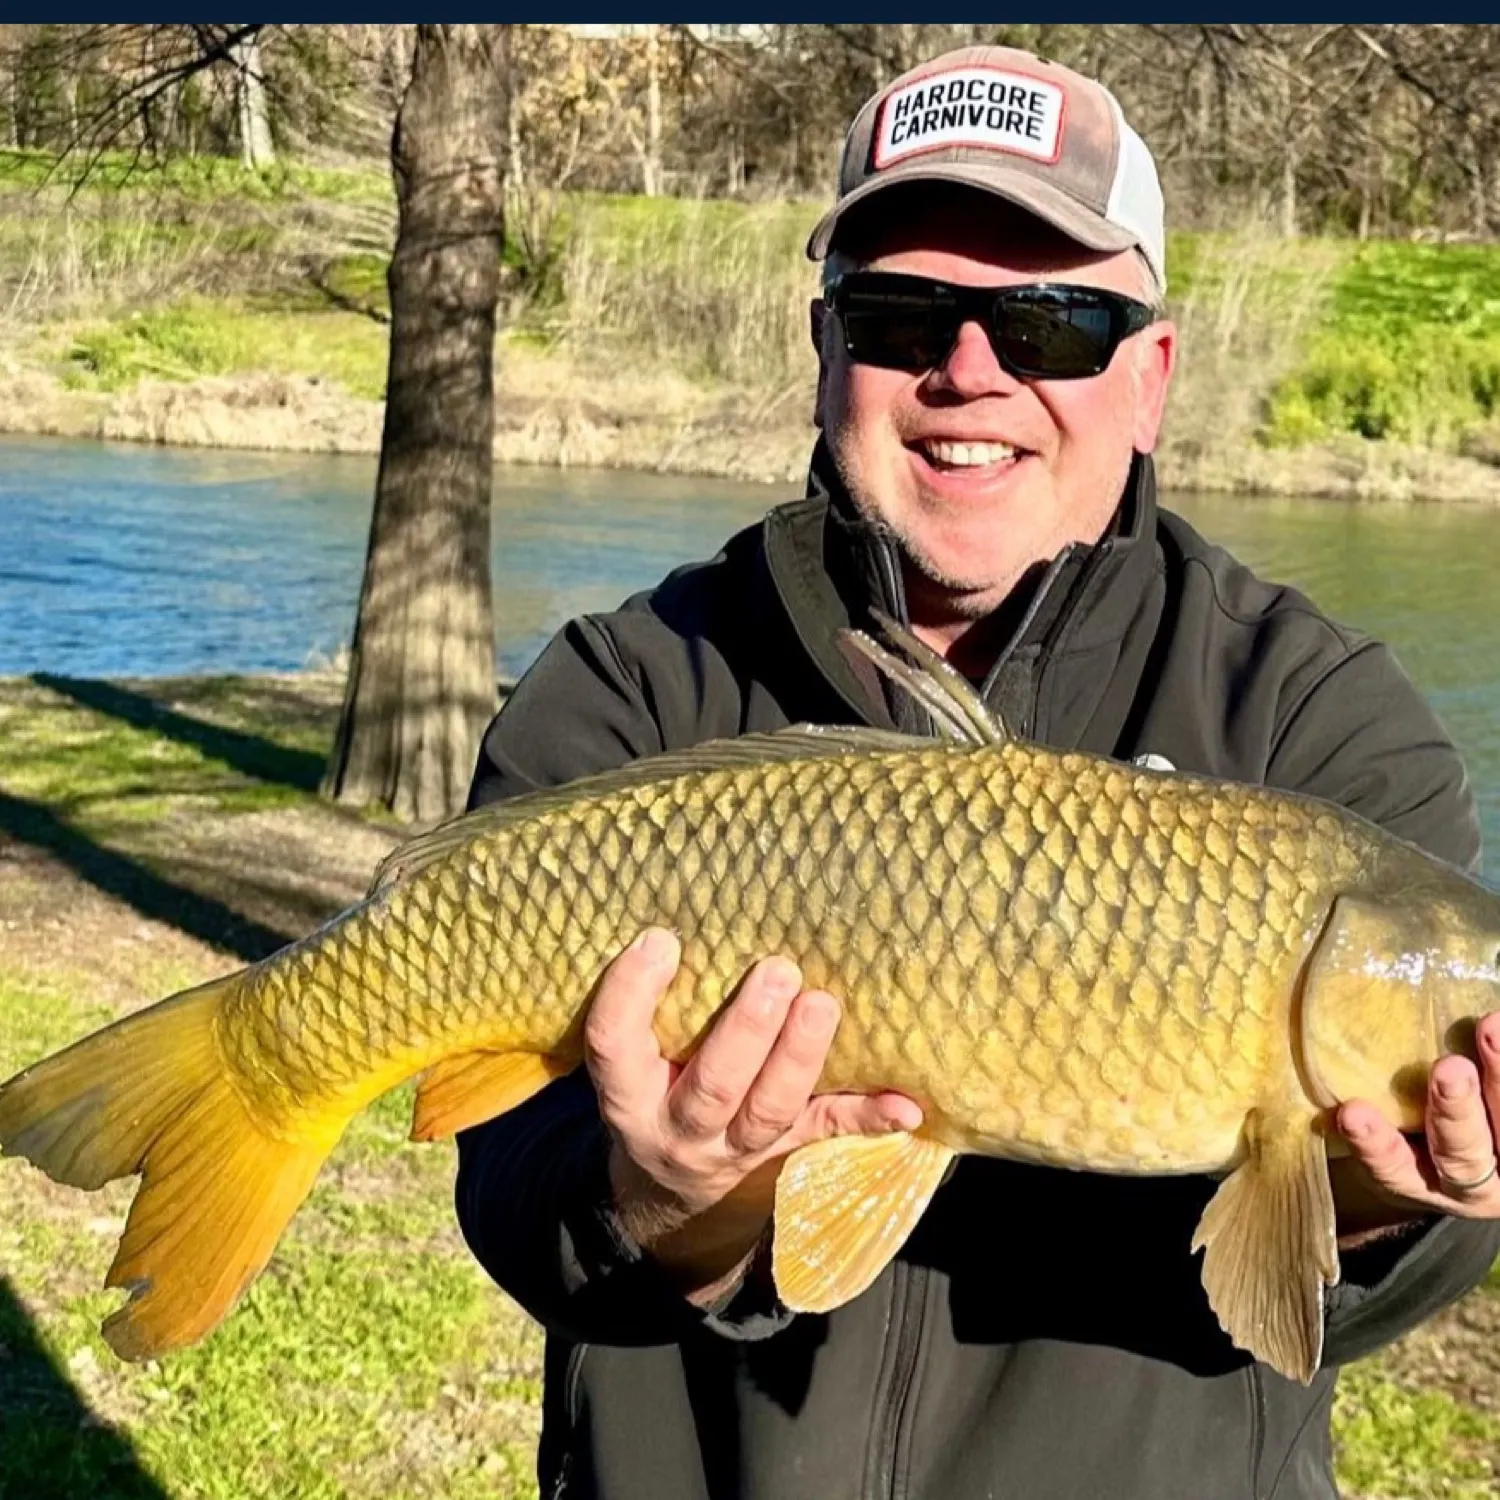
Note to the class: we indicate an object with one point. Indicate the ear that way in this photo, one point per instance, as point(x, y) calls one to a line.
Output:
point(1156, 358)
point(817, 320)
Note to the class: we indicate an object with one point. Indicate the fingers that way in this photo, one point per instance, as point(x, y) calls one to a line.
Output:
point(712, 1087)
point(687, 1140)
point(780, 1091)
point(858, 1114)
point(1395, 1164)
point(1455, 1171)
point(620, 1046)
point(1459, 1138)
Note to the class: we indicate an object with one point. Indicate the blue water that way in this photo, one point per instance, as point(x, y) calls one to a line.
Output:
point(125, 560)
point(121, 559)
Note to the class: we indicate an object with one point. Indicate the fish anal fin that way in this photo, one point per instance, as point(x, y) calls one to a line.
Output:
point(844, 1207)
point(472, 1087)
point(1270, 1244)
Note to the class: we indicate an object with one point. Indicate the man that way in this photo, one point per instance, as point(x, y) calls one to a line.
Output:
point(983, 473)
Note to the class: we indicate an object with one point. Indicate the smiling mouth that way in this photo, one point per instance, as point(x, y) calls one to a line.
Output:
point(961, 458)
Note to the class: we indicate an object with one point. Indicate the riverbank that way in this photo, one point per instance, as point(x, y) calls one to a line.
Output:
point(154, 834)
point(237, 310)
point(660, 423)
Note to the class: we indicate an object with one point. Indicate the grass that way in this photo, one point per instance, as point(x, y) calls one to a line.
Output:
point(99, 755)
point(196, 338)
point(212, 179)
point(1408, 350)
point(1421, 1445)
point(201, 268)
point(373, 1358)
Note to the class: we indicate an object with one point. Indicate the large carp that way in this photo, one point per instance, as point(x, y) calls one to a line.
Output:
point(1063, 959)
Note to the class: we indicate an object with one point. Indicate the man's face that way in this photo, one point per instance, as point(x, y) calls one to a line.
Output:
point(979, 474)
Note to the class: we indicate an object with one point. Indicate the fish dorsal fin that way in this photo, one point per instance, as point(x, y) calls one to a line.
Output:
point(947, 695)
point(796, 742)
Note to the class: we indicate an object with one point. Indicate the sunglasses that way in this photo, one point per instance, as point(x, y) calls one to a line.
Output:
point(1044, 331)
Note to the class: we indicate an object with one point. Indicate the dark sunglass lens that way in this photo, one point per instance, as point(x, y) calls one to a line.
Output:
point(1056, 339)
point(900, 327)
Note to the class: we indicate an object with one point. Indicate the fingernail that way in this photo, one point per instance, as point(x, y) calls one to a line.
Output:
point(1489, 1038)
point(1455, 1086)
point(780, 979)
point(818, 1014)
point(902, 1115)
point(655, 945)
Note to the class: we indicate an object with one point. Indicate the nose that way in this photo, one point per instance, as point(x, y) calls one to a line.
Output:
point(971, 368)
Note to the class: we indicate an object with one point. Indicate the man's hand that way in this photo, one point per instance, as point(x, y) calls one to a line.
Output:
point(697, 1148)
point(1454, 1172)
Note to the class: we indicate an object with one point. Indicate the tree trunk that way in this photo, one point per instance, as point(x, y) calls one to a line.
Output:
point(651, 171)
point(422, 676)
point(256, 147)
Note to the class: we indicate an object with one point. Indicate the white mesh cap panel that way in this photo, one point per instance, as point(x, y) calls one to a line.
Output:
point(1135, 199)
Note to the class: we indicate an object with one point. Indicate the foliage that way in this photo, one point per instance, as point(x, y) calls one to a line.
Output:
point(1409, 350)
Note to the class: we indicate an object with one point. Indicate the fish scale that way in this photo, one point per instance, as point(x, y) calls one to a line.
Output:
point(1102, 980)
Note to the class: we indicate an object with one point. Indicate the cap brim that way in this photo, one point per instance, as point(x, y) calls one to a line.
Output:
point(1047, 202)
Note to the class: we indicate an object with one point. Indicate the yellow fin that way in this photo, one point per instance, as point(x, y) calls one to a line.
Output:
point(844, 1207)
point(1270, 1245)
point(152, 1094)
point(472, 1087)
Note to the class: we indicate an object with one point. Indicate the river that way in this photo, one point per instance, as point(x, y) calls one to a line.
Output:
point(125, 560)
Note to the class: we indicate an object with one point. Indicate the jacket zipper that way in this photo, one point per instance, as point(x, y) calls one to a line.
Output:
point(909, 1295)
point(572, 1375)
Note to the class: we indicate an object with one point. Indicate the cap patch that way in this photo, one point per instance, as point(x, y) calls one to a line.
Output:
point(984, 107)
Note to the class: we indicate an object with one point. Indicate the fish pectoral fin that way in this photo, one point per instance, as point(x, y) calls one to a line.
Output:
point(472, 1087)
point(844, 1207)
point(1270, 1245)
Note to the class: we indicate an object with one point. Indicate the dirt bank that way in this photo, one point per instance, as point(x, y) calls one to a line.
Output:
point(550, 413)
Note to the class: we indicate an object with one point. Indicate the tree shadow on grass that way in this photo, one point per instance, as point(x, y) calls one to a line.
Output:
point(250, 754)
point(128, 880)
point(52, 1446)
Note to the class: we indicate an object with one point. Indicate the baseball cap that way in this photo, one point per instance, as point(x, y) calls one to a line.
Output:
point(1034, 133)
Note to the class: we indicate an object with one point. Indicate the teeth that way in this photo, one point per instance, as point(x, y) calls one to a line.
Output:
point(969, 455)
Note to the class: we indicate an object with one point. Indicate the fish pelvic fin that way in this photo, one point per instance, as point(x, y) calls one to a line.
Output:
point(952, 701)
point(472, 1087)
point(152, 1095)
point(1270, 1244)
point(844, 1207)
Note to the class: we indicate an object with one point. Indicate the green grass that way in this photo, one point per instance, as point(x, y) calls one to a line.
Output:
point(199, 338)
point(1410, 349)
point(1421, 1445)
point(204, 178)
point(373, 1358)
point(104, 762)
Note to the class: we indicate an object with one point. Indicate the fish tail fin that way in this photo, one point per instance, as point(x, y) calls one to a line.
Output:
point(152, 1094)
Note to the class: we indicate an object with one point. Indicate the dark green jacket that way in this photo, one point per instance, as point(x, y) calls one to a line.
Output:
point(1044, 1334)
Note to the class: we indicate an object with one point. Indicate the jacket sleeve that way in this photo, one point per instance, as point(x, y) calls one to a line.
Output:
point(532, 1195)
point(1364, 737)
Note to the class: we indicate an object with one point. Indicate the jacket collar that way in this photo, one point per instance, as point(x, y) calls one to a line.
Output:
point(830, 566)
